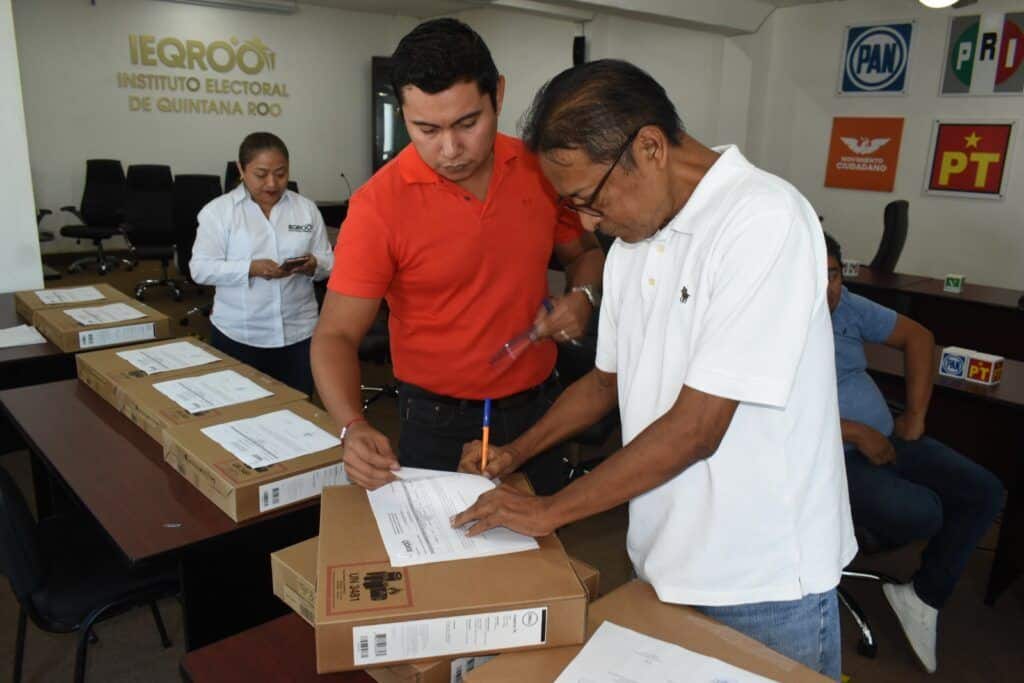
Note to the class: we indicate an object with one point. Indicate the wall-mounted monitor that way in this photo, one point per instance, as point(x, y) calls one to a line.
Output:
point(389, 134)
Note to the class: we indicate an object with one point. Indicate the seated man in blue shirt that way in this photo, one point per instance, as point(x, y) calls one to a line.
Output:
point(904, 486)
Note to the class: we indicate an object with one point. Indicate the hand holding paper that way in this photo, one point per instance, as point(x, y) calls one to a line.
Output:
point(507, 507)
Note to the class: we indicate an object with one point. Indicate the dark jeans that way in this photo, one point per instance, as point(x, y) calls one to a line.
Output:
point(288, 364)
point(928, 492)
point(433, 432)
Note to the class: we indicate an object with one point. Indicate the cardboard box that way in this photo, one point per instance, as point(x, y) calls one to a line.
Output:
point(589, 576)
point(530, 599)
point(27, 303)
point(103, 371)
point(636, 606)
point(155, 413)
point(293, 571)
point(69, 335)
point(241, 491)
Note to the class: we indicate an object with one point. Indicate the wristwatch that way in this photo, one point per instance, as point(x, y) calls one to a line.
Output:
point(592, 296)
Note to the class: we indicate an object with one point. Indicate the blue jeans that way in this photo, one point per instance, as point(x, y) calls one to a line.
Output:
point(805, 630)
point(928, 492)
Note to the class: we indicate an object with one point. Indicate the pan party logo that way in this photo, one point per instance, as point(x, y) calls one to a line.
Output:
point(251, 57)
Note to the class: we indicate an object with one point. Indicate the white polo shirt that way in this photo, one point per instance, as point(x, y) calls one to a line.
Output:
point(234, 232)
point(729, 299)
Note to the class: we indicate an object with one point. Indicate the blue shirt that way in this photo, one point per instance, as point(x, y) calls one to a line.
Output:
point(855, 321)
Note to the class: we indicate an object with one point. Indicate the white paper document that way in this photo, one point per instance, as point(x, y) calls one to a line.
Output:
point(214, 390)
point(109, 336)
point(271, 438)
point(414, 517)
point(167, 357)
point(100, 315)
point(20, 335)
point(620, 655)
point(70, 295)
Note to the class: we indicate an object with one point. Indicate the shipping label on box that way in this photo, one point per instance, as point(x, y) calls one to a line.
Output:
point(27, 303)
point(71, 335)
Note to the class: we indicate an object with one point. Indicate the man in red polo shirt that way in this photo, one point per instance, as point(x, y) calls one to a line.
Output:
point(456, 235)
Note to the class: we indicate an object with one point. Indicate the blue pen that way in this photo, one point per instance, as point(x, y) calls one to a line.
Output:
point(487, 434)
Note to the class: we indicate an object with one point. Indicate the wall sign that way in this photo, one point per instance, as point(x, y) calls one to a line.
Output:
point(875, 59)
point(984, 55)
point(970, 159)
point(863, 153)
point(221, 78)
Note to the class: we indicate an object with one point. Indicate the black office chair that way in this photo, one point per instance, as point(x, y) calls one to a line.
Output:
point(67, 578)
point(376, 348)
point(46, 236)
point(869, 545)
point(191, 194)
point(231, 176)
point(894, 236)
point(149, 222)
point(100, 213)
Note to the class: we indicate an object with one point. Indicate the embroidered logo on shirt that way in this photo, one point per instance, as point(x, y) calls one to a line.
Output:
point(684, 295)
point(308, 227)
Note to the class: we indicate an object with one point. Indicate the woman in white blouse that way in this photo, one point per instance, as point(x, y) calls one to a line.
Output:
point(262, 246)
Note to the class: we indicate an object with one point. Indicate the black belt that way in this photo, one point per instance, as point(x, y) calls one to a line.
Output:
point(511, 402)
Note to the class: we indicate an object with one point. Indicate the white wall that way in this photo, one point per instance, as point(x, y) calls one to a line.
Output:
point(19, 258)
point(71, 51)
point(796, 60)
point(705, 74)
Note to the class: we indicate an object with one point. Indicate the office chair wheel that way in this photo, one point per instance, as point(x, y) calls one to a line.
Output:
point(176, 295)
point(866, 649)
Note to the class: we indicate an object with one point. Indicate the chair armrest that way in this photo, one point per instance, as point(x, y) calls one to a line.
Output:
point(73, 210)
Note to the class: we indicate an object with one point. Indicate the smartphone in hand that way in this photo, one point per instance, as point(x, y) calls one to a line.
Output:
point(295, 263)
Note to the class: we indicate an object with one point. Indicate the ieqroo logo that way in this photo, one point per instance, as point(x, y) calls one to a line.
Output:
point(251, 56)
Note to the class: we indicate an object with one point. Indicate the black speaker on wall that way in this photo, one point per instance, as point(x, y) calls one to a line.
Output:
point(579, 50)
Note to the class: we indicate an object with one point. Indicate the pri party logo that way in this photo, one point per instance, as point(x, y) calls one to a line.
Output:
point(984, 54)
point(875, 59)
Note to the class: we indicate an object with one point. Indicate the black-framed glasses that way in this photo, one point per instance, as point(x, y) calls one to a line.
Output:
point(587, 207)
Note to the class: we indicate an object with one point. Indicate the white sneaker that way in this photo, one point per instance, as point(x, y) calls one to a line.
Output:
point(919, 620)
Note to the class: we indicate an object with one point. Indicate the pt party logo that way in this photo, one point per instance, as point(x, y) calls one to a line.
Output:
point(970, 158)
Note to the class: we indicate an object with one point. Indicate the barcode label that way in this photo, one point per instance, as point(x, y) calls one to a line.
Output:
point(447, 636)
point(463, 665)
point(300, 487)
point(109, 336)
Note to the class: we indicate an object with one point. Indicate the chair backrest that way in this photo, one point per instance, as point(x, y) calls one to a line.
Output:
point(103, 197)
point(191, 194)
point(20, 559)
point(231, 176)
point(149, 205)
point(293, 185)
point(894, 236)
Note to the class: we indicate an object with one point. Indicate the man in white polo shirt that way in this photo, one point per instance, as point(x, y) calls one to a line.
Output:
point(715, 343)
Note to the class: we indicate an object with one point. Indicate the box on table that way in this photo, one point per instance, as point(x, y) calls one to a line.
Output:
point(27, 303)
point(636, 606)
point(69, 335)
point(239, 490)
point(973, 366)
point(103, 371)
point(155, 413)
point(293, 571)
point(369, 613)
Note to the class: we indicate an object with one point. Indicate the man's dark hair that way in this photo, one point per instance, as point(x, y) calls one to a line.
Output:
point(439, 53)
point(596, 107)
point(254, 143)
point(832, 248)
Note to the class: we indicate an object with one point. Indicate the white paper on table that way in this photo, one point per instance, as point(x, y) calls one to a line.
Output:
point(99, 315)
point(620, 655)
point(69, 296)
point(167, 357)
point(20, 335)
point(213, 390)
point(414, 518)
point(271, 438)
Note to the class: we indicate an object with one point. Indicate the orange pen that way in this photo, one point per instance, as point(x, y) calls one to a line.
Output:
point(487, 435)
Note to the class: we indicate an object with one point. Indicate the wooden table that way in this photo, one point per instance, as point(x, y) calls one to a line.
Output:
point(983, 423)
point(281, 650)
point(117, 473)
point(987, 319)
point(33, 364)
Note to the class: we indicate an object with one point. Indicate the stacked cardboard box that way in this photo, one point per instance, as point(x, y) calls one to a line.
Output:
point(70, 336)
point(29, 302)
point(294, 578)
point(369, 613)
point(636, 606)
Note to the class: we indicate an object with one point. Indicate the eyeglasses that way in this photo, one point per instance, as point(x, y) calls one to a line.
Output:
point(587, 207)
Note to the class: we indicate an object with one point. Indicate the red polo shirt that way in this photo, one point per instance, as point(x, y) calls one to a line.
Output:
point(460, 276)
